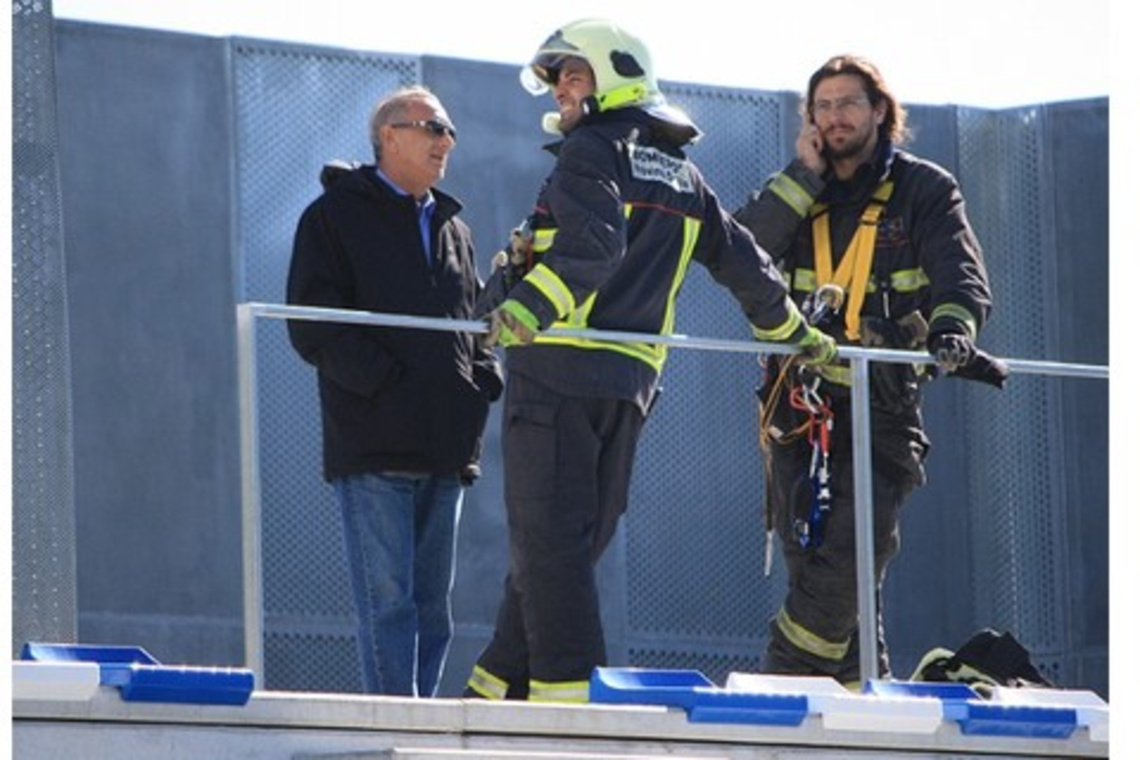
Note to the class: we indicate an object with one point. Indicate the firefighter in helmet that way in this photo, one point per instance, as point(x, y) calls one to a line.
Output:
point(614, 228)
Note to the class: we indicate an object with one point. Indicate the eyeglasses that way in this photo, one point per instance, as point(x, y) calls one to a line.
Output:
point(436, 127)
point(842, 106)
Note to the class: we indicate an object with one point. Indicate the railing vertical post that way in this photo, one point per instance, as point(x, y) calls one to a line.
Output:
point(864, 520)
point(250, 493)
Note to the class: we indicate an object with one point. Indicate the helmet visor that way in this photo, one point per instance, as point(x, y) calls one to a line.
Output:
point(532, 81)
point(542, 72)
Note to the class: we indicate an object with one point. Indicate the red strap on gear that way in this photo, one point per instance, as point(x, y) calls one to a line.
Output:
point(819, 413)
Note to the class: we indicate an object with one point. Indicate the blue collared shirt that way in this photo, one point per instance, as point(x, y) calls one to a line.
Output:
point(425, 207)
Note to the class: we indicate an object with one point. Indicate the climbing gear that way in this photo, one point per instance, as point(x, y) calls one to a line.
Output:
point(854, 272)
point(508, 267)
point(517, 257)
point(820, 307)
point(821, 419)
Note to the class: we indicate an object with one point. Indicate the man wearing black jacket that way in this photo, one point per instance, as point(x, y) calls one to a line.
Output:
point(402, 410)
point(885, 233)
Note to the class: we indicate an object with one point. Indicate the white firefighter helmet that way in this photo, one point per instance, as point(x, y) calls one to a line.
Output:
point(622, 66)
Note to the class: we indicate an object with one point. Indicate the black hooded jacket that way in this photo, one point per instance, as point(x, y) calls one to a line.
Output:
point(617, 224)
point(392, 399)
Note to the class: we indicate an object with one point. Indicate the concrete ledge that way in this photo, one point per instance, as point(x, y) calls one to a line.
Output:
point(282, 724)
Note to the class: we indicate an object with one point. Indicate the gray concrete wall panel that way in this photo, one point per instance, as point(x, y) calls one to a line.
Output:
point(147, 149)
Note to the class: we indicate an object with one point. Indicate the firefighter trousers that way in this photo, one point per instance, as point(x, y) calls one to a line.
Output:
point(567, 465)
point(816, 631)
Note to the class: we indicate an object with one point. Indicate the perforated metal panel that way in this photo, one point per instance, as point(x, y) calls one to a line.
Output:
point(298, 107)
point(1016, 474)
point(695, 539)
point(43, 509)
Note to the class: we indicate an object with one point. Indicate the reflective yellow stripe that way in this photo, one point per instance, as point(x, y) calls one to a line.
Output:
point(956, 312)
point(559, 691)
point(543, 239)
point(803, 280)
point(804, 639)
point(692, 232)
point(909, 280)
point(487, 685)
point(904, 281)
point(653, 354)
point(790, 192)
point(580, 316)
point(966, 674)
point(783, 331)
point(626, 95)
point(551, 286)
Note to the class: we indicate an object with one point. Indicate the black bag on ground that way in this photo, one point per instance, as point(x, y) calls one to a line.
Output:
point(987, 660)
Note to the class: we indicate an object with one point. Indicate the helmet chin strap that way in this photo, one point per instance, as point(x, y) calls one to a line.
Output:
point(552, 120)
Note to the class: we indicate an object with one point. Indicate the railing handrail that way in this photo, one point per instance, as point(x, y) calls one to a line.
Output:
point(322, 314)
point(859, 357)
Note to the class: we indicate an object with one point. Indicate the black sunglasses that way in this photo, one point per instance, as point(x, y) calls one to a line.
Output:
point(435, 126)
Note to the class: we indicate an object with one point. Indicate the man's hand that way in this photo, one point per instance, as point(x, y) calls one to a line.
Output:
point(818, 348)
point(957, 355)
point(511, 324)
point(951, 350)
point(809, 147)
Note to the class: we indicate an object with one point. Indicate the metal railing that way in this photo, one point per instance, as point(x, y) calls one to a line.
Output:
point(860, 358)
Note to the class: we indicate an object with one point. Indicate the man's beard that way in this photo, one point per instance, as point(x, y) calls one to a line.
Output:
point(851, 150)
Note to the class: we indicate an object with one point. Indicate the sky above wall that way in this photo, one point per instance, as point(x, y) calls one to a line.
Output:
point(986, 53)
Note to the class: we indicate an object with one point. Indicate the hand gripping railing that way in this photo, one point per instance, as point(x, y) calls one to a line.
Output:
point(859, 358)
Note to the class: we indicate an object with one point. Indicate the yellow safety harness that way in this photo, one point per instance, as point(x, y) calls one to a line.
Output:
point(854, 270)
point(852, 276)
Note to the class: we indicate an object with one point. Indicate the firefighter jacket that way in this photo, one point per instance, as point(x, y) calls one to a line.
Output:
point(616, 225)
point(925, 259)
point(392, 399)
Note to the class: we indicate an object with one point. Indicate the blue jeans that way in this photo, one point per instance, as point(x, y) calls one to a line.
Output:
point(400, 533)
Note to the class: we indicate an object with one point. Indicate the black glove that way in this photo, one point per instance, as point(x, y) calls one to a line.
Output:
point(985, 368)
point(957, 355)
point(951, 350)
